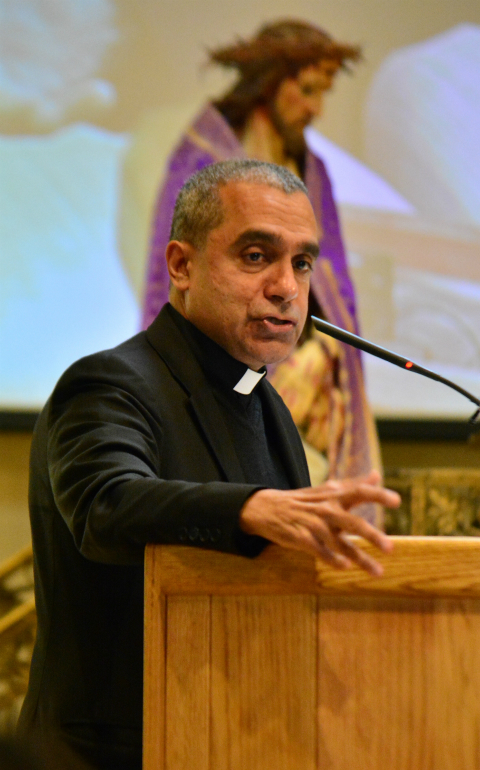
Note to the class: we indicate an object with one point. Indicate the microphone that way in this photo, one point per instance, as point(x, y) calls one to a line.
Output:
point(388, 355)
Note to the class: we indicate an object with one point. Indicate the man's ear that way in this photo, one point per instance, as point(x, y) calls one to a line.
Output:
point(179, 255)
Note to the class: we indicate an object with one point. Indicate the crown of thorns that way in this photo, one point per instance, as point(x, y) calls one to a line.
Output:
point(267, 49)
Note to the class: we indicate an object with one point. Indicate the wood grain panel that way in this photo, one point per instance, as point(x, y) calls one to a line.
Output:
point(429, 566)
point(154, 665)
point(453, 685)
point(188, 683)
point(385, 675)
point(418, 566)
point(398, 684)
point(263, 683)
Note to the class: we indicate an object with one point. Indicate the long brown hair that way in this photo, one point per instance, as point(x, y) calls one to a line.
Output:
point(278, 51)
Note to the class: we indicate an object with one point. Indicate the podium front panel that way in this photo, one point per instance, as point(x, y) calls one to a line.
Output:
point(282, 663)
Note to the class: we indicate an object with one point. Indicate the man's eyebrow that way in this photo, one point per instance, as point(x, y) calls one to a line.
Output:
point(311, 248)
point(252, 236)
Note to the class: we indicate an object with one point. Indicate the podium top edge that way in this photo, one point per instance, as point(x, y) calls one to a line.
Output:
point(418, 566)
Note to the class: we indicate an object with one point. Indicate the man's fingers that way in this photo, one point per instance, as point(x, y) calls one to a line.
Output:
point(337, 543)
point(303, 538)
point(355, 554)
point(332, 548)
point(351, 492)
point(357, 526)
point(373, 478)
point(333, 558)
point(366, 493)
point(332, 514)
point(325, 521)
point(335, 549)
point(306, 532)
point(301, 520)
point(318, 532)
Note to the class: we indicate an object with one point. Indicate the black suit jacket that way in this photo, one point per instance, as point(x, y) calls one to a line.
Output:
point(130, 449)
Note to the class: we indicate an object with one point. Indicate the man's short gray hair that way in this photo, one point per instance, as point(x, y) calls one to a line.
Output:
point(199, 208)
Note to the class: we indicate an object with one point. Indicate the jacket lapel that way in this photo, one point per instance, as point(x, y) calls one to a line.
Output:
point(167, 340)
point(289, 442)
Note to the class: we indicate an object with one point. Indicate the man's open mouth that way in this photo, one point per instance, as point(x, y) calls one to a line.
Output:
point(278, 321)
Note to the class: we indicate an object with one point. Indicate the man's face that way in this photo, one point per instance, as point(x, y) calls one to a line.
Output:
point(247, 288)
point(299, 100)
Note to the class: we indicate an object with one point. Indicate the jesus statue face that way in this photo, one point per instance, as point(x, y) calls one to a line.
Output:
point(299, 100)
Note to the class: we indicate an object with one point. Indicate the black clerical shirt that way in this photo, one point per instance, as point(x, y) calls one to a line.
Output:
point(244, 414)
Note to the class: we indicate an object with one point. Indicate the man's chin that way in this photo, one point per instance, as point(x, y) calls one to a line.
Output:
point(272, 352)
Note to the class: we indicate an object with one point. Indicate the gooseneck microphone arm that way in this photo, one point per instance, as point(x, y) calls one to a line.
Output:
point(388, 355)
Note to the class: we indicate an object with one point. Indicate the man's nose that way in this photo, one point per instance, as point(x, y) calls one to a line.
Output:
point(282, 284)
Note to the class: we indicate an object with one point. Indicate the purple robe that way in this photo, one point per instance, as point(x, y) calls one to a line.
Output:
point(210, 139)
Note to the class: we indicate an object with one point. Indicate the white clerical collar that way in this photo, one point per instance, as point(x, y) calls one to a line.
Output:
point(246, 384)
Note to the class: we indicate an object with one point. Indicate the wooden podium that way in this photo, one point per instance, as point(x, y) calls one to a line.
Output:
point(281, 663)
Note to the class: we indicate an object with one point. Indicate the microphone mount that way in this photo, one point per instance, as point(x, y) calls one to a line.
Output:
point(388, 355)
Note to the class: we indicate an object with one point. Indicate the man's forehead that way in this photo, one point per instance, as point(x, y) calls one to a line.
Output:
point(245, 191)
point(250, 208)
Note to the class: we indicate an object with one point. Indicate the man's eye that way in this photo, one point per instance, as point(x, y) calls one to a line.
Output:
point(254, 256)
point(304, 265)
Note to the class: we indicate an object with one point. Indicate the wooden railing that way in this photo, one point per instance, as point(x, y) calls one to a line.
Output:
point(23, 611)
point(17, 633)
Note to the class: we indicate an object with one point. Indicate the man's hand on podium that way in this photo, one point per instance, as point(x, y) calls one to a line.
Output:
point(318, 519)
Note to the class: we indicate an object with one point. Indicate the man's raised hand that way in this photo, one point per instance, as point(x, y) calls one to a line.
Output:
point(318, 520)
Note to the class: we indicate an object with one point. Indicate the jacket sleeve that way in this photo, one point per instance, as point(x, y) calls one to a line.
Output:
point(104, 451)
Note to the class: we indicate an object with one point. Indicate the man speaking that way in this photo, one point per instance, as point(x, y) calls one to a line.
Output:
point(176, 437)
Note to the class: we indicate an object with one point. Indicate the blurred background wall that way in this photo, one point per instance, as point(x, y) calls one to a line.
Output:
point(127, 76)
